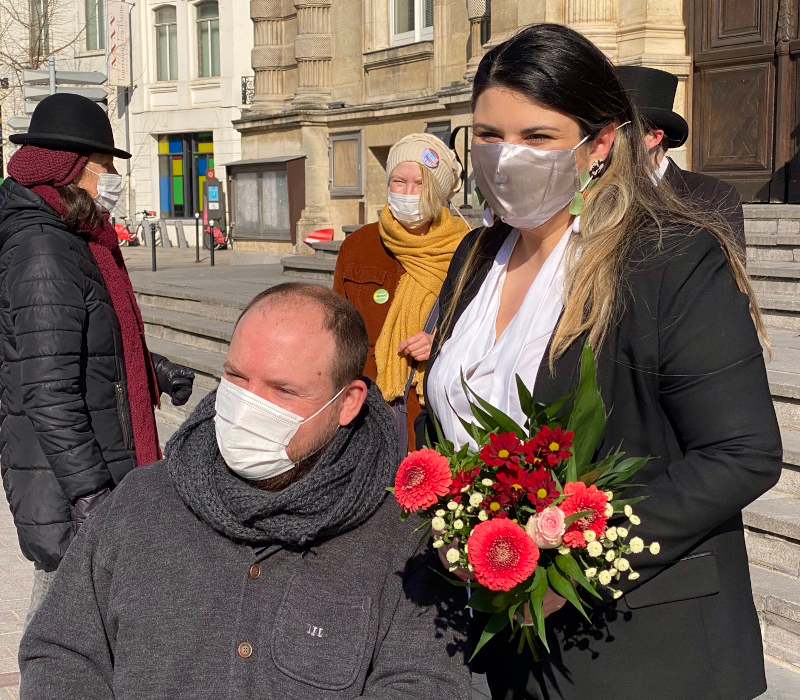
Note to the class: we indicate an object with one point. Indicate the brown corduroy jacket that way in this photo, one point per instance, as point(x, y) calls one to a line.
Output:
point(364, 266)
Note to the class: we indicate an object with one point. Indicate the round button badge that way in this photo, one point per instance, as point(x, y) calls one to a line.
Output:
point(381, 296)
point(430, 158)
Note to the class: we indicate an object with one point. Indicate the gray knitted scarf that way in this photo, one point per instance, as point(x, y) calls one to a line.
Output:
point(345, 487)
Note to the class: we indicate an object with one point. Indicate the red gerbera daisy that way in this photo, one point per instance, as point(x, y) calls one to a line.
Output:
point(542, 490)
point(462, 479)
point(580, 498)
point(502, 554)
point(421, 478)
point(553, 444)
point(502, 449)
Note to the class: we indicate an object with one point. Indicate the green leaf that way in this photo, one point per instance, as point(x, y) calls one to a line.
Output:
point(576, 204)
point(390, 489)
point(484, 600)
point(619, 506)
point(404, 515)
point(564, 588)
point(622, 472)
point(537, 596)
point(553, 410)
point(588, 417)
point(571, 568)
point(525, 397)
point(585, 178)
point(504, 422)
point(497, 623)
point(576, 516)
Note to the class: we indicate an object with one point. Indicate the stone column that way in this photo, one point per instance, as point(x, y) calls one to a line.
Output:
point(313, 51)
point(596, 20)
point(479, 14)
point(317, 212)
point(271, 58)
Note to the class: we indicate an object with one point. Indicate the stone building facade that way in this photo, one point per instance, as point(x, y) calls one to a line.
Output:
point(339, 81)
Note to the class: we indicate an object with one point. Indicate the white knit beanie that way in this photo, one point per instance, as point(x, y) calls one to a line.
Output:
point(431, 153)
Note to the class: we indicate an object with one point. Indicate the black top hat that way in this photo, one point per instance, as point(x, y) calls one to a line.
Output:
point(653, 92)
point(66, 122)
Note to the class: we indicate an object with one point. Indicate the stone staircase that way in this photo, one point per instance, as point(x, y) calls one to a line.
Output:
point(319, 266)
point(773, 522)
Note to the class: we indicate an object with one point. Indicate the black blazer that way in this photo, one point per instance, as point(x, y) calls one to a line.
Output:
point(683, 374)
point(713, 191)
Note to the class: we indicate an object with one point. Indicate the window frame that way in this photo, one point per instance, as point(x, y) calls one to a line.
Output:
point(156, 25)
point(357, 190)
point(39, 33)
point(198, 21)
point(99, 21)
point(419, 33)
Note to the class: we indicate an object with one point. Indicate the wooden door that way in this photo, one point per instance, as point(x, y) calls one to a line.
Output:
point(745, 91)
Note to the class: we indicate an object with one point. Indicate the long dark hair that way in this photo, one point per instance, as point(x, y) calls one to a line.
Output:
point(81, 213)
point(560, 69)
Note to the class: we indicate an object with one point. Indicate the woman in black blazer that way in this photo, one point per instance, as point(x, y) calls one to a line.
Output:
point(658, 290)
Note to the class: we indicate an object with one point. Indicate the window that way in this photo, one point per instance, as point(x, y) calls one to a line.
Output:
point(208, 39)
point(345, 164)
point(39, 31)
point(261, 203)
point(95, 24)
point(167, 43)
point(439, 129)
point(183, 160)
point(412, 20)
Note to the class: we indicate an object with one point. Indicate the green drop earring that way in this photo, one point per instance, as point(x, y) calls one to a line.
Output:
point(587, 181)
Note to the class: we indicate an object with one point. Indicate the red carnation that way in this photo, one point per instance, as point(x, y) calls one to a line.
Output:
point(421, 478)
point(580, 498)
point(502, 554)
point(502, 449)
point(462, 479)
point(542, 490)
point(553, 444)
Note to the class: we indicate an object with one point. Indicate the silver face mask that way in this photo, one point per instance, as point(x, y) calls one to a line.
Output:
point(109, 189)
point(525, 186)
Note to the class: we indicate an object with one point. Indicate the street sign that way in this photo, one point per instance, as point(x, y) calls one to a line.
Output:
point(35, 93)
point(28, 107)
point(63, 77)
point(18, 123)
point(119, 36)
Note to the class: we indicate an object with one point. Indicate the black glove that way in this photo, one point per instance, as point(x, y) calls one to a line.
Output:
point(174, 380)
point(86, 504)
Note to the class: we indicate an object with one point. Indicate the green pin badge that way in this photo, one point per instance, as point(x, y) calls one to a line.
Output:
point(381, 296)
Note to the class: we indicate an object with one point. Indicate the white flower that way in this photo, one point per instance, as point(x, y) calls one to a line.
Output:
point(440, 513)
point(613, 571)
point(438, 524)
point(617, 594)
point(452, 505)
point(475, 499)
point(604, 577)
point(470, 509)
point(637, 545)
point(635, 520)
point(487, 482)
point(483, 516)
point(609, 510)
point(622, 532)
point(633, 575)
point(466, 548)
point(611, 555)
point(628, 511)
point(453, 555)
point(589, 535)
point(595, 549)
point(469, 567)
point(460, 508)
point(655, 548)
point(590, 573)
point(609, 495)
point(622, 564)
point(458, 524)
point(564, 550)
point(611, 534)
point(466, 488)
point(438, 543)
point(453, 568)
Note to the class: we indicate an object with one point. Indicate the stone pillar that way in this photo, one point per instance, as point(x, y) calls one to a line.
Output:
point(596, 20)
point(509, 16)
point(271, 58)
point(479, 14)
point(317, 212)
point(313, 51)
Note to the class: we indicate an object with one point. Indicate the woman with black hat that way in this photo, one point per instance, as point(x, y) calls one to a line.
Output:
point(77, 383)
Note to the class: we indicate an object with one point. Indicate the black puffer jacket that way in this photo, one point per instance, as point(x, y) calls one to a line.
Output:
point(65, 427)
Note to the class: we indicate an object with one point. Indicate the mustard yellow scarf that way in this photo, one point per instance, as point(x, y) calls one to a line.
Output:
point(425, 260)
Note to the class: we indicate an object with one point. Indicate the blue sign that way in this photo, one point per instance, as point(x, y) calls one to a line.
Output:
point(213, 194)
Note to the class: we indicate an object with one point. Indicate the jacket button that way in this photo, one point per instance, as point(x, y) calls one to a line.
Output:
point(255, 571)
point(245, 650)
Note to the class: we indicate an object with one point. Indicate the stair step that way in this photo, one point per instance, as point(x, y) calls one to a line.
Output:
point(773, 239)
point(219, 307)
point(308, 266)
point(207, 366)
point(777, 599)
point(189, 329)
point(783, 681)
point(775, 277)
point(783, 372)
point(165, 432)
point(773, 252)
point(780, 311)
point(326, 250)
point(772, 532)
point(176, 415)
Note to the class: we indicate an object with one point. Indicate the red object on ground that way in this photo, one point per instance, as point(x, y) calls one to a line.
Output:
point(319, 236)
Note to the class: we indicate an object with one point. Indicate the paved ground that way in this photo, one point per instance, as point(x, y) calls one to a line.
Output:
point(139, 258)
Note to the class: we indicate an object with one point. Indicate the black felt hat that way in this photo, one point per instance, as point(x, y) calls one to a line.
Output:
point(67, 122)
point(653, 92)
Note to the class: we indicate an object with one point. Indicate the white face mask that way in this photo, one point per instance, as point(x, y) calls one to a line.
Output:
point(252, 433)
point(109, 189)
point(405, 208)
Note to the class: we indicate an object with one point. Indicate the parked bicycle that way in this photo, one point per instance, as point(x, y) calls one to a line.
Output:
point(220, 237)
point(126, 233)
point(144, 227)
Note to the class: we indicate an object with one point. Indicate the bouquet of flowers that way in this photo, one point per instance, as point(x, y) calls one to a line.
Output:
point(529, 509)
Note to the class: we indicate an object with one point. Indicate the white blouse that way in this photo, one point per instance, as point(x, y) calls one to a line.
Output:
point(490, 366)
